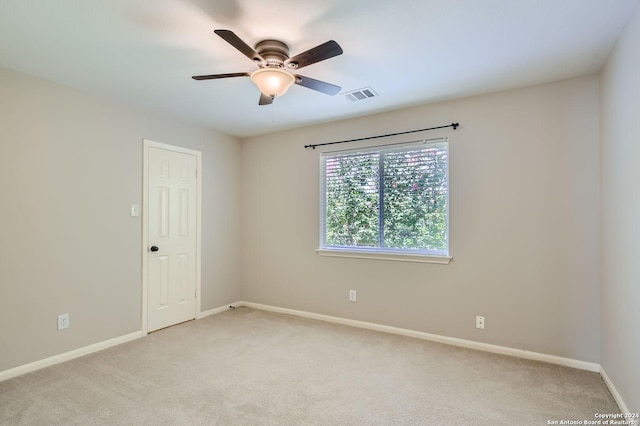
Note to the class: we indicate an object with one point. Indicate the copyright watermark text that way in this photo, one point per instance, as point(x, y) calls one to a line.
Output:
point(630, 419)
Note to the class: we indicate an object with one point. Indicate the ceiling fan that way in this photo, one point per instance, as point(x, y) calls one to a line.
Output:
point(275, 73)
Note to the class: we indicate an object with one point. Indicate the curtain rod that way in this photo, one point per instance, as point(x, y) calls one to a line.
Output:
point(454, 125)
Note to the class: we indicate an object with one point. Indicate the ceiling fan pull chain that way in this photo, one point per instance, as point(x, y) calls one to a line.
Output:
point(273, 114)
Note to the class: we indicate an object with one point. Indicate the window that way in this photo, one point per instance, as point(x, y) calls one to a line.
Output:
point(390, 199)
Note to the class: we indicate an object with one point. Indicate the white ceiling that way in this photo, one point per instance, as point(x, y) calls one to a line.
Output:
point(409, 51)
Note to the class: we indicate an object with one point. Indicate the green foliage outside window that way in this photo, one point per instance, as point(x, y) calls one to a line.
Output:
point(387, 199)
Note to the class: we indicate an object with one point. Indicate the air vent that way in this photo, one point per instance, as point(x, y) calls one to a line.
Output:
point(360, 94)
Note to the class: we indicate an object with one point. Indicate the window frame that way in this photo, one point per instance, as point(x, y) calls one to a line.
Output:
point(407, 255)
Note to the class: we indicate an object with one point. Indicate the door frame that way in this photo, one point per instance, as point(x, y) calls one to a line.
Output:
point(146, 143)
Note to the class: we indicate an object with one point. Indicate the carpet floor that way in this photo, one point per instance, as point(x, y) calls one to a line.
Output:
point(251, 367)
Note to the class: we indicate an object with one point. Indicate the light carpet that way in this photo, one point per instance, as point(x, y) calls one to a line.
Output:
point(251, 367)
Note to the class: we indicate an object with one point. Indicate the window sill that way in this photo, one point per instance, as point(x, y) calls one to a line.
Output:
point(400, 257)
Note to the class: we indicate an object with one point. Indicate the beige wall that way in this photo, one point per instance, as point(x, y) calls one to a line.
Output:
point(524, 214)
point(620, 153)
point(526, 171)
point(70, 168)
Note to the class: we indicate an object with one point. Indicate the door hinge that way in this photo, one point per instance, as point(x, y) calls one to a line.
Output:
point(196, 173)
point(195, 293)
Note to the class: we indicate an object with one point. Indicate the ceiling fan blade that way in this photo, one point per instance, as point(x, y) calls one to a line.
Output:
point(265, 100)
point(231, 38)
point(317, 85)
point(214, 76)
point(319, 53)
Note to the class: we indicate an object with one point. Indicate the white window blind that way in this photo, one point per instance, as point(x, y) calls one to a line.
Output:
point(386, 199)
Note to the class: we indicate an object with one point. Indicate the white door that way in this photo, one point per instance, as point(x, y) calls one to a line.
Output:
point(171, 237)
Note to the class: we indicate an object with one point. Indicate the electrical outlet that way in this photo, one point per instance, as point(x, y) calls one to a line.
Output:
point(352, 295)
point(480, 322)
point(63, 321)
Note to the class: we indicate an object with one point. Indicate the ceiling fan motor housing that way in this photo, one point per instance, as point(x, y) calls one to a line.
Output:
point(275, 53)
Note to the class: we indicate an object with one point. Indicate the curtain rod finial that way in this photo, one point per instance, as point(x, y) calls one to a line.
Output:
point(455, 125)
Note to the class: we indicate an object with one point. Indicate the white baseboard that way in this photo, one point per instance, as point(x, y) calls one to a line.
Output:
point(216, 310)
point(616, 395)
point(67, 356)
point(503, 350)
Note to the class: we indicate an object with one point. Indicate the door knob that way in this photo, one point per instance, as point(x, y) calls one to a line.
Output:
point(154, 248)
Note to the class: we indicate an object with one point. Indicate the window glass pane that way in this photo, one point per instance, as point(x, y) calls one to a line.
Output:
point(387, 198)
point(352, 201)
point(415, 199)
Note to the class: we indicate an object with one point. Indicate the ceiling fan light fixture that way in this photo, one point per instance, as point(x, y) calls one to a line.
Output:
point(272, 81)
